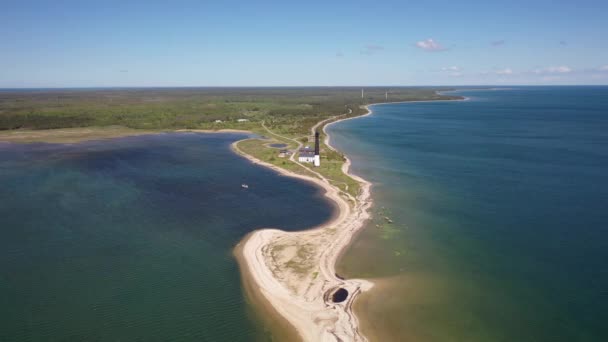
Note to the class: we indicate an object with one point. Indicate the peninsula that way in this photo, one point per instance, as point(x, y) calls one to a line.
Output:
point(290, 274)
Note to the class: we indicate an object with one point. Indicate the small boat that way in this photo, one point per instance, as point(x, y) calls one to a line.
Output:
point(244, 186)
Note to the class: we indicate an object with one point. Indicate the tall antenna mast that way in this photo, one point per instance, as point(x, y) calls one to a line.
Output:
point(361, 92)
point(386, 95)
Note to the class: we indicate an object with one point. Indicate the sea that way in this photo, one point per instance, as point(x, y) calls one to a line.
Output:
point(131, 239)
point(490, 216)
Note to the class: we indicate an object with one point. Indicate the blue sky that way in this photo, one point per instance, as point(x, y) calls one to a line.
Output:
point(285, 43)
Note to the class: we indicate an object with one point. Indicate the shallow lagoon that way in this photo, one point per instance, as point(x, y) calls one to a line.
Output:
point(131, 238)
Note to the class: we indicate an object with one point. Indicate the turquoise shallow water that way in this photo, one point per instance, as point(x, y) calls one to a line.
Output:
point(131, 239)
point(500, 209)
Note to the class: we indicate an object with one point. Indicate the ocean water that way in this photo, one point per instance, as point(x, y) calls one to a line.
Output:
point(131, 239)
point(500, 210)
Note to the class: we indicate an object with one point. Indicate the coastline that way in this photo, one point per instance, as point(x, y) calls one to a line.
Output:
point(370, 112)
point(281, 329)
point(290, 275)
point(306, 303)
point(310, 310)
point(80, 134)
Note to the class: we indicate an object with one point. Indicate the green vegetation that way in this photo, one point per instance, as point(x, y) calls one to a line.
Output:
point(301, 262)
point(331, 168)
point(285, 110)
point(282, 115)
point(258, 149)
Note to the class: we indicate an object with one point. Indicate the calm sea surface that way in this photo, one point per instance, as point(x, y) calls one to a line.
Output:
point(130, 239)
point(500, 210)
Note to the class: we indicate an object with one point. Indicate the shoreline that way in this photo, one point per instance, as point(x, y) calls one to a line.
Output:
point(81, 134)
point(310, 311)
point(281, 329)
point(370, 112)
point(290, 276)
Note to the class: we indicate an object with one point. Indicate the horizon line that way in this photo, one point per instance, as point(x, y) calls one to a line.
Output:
point(304, 86)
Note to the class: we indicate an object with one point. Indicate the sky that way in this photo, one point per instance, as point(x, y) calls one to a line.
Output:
point(302, 43)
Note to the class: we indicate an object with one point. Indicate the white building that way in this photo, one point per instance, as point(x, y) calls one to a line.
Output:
point(306, 155)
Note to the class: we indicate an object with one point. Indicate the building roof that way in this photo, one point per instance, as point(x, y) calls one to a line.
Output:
point(307, 153)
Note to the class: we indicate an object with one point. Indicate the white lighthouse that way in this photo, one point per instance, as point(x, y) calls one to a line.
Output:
point(317, 160)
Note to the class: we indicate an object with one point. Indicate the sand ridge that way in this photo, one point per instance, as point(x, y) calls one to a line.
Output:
point(295, 271)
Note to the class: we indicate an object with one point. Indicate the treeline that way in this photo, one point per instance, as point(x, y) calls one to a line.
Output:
point(292, 110)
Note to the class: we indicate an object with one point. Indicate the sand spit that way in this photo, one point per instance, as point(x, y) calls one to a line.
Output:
point(295, 271)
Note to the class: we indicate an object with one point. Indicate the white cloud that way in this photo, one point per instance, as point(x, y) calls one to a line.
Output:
point(430, 45)
point(451, 68)
point(506, 71)
point(554, 70)
point(604, 67)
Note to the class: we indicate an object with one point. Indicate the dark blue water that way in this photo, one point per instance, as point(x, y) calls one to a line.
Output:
point(500, 206)
point(131, 239)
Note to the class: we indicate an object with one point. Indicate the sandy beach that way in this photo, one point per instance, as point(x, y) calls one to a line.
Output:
point(295, 271)
point(289, 275)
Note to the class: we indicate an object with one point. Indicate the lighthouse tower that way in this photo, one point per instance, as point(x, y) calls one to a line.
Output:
point(317, 160)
